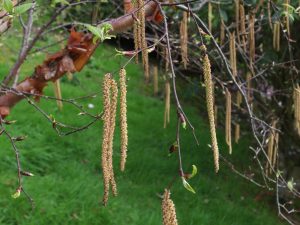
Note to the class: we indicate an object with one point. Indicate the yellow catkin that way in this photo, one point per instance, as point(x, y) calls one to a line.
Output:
point(106, 135)
point(168, 210)
point(296, 97)
point(216, 115)
point(123, 118)
point(237, 132)
point(287, 18)
point(243, 26)
point(167, 60)
point(222, 32)
point(113, 111)
point(210, 105)
point(275, 153)
point(237, 18)
point(57, 92)
point(155, 79)
point(252, 40)
point(276, 36)
point(209, 16)
point(272, 149)
point(228, 121)
point(143, 41)
point(248, 80)
point(136, 40)
point(167, 103)
point(137, 31)
point(269, 14)
point(184, 39)
point(232, 53)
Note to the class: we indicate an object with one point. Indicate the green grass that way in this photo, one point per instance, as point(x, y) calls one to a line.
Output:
point(67, 187)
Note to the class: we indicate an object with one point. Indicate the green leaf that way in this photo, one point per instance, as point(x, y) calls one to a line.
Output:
point(187, 186)
point(17, 194)
point(194, 171)
point(8, 5)
point(22, 8)
point(94, 30)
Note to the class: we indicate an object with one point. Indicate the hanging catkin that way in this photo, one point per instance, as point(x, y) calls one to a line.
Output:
point(287, 16)
point(242, 26)
point(209, 16)
point(57, 92)
point(123, 118)
point(155, 79)
point(136, 32)
point(222, 32)
point(276, 36)
point(113, 111)
point(168, 210)
point(252, 40)
point(228, 120)
point(237, 18)
point(232, 53)
point(167, 59)
point(296, 97)
point(248, 80)
point(270, 15)
point(210, 105)
point(143, 41)
point(184, 39)
point(106, 135)
point(167, 103)
point(237, 132)
point(272, 149)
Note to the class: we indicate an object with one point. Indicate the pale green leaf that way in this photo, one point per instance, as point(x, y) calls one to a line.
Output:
point(17, 194)
point(194, 171)
point(187, 186)
point(22, 8)
point(8, 5)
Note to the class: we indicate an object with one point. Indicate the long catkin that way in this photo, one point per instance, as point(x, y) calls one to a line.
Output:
point(113, 112)
point(287, 16)
point(252, 41)
point(136, 32)
point(143, 41)
point(222, 32)
point(106, 135)
point(272, 149)
point(232, 53)
point(168, 210)
point(276, 36)
point(296, 97)
point(155, 79)
point(184, 39)
point(123, 118)
point(57, 92)
point(243, 26)
point(228, 121)
point(209, 16)
point(210, 105)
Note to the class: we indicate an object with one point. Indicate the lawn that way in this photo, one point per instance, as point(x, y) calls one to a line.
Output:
point(67, 186)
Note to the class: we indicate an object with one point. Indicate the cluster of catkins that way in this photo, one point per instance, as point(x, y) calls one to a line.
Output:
point(110, 100)
point(140, 36)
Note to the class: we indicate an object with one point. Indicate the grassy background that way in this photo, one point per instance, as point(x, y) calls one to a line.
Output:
point(67, 187)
